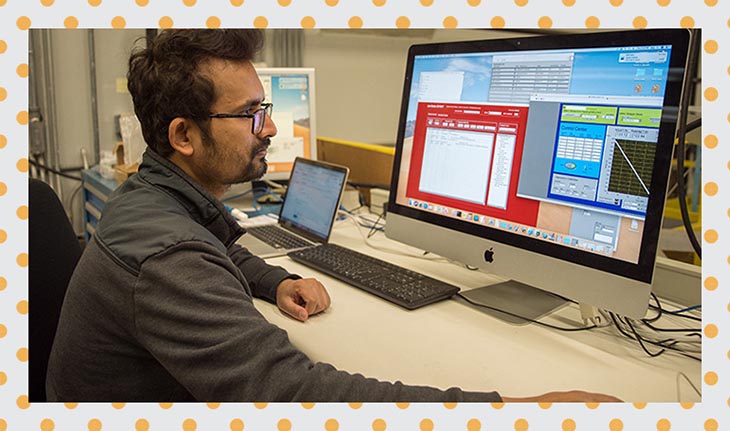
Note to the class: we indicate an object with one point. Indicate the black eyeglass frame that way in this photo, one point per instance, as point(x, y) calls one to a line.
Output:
point(266, 108)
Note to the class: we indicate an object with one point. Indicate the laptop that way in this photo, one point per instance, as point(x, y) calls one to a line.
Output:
point(307, 214)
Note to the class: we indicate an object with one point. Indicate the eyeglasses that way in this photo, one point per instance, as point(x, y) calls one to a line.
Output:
point(259, 117)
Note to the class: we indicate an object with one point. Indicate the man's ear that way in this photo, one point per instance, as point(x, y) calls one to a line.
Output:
point(181, 134)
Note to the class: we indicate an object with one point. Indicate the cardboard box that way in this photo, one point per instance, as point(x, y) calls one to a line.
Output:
point(369, 163)
point(122, 171)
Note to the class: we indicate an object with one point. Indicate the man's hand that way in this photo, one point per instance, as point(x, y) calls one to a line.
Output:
point(565, 397)
point(302, 298)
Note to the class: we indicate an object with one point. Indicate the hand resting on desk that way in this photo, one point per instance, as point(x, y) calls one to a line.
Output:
point(305, 297)
point(302, 298)
point(565, 397)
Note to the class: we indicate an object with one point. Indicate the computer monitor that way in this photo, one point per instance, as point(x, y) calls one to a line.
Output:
point(292, 91)
point(543, 160)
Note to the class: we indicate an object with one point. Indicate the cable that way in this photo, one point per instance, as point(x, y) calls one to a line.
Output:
point(684, 316)
point(359, 219)
point(675, 314)
point(37, 172)
point(375, 228)
point(641, 342)
point(678, 313)
point(649, 325)
point(240, 195)
point(660, 311)
point(694, 124)
point(689, 333)
point(369, 185)
point(681, 374)
point(47, 169)
point(71, 205)
point(681, 133)
point(360, 186)
point(662, 343)
point(478, 304)
point(386, 249)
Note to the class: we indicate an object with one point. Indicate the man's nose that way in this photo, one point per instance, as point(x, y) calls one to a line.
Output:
point(269, 129)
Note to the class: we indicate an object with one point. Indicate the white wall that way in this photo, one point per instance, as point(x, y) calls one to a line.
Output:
point(73, 88)
point(73, 101)
point(113, 48)
point(72, 94)
point(359, 82)
point(359, 77)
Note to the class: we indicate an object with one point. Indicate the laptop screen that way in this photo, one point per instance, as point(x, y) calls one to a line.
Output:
point(313, 196)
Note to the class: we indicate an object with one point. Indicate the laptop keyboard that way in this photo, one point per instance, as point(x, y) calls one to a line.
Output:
point(277, 237)
point(396, 284)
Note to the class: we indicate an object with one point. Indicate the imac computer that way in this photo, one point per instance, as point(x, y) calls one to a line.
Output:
point(292, 91)
point(541, 160)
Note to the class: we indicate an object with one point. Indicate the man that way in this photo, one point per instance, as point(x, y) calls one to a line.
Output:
point(160, 306)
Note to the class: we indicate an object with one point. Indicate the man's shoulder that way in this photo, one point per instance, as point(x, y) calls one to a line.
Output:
point(143, 222)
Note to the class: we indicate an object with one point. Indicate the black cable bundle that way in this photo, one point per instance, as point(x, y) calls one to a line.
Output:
point(681, 136)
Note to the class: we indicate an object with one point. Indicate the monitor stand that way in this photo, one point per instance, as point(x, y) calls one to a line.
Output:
point(514, 297)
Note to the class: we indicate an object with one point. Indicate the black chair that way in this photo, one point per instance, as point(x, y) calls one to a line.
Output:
point(53, 252)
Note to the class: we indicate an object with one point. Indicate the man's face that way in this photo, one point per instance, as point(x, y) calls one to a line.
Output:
point(231, 153)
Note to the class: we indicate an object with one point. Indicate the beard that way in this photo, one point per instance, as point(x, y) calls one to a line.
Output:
point(252, 170)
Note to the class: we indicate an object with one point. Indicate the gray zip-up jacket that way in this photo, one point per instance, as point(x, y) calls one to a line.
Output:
point(160, 309)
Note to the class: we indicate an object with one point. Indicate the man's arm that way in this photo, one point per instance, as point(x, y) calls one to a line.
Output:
point(262, 278)
point(297, 297)
point(194, 316)
point(564, 397)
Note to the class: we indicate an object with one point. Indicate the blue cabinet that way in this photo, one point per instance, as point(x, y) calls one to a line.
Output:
point(96, 191)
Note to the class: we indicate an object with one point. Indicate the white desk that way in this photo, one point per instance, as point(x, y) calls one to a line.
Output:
point(452, 344)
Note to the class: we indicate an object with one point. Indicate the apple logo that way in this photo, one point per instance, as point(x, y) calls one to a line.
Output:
point(489, 255)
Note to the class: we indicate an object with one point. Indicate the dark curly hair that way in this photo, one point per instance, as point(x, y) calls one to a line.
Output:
point(165, 81)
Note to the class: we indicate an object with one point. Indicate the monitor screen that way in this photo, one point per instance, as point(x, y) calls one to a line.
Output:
point(544, 160)
point(292, 91)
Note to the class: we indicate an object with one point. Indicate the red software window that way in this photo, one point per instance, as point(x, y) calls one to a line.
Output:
point(468, 156)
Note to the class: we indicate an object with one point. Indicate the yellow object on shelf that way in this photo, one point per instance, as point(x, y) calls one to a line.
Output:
point(671, 210)
point(370, 164)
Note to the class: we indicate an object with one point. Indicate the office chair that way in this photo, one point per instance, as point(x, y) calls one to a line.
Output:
point(53, 251)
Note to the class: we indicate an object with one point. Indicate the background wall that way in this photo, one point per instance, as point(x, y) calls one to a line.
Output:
point(359, 85)
point(359, 82)
point(66, 60)
point(360, 78)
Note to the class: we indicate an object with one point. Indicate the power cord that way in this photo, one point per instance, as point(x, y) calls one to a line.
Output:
point(660, 311)
point(666, 344)
point(57, 172)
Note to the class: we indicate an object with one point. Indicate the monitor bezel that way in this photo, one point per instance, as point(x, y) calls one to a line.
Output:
point(642, 270)
point(283, 174)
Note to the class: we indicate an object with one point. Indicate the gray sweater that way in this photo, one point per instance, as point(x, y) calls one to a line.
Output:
point(160, 309)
